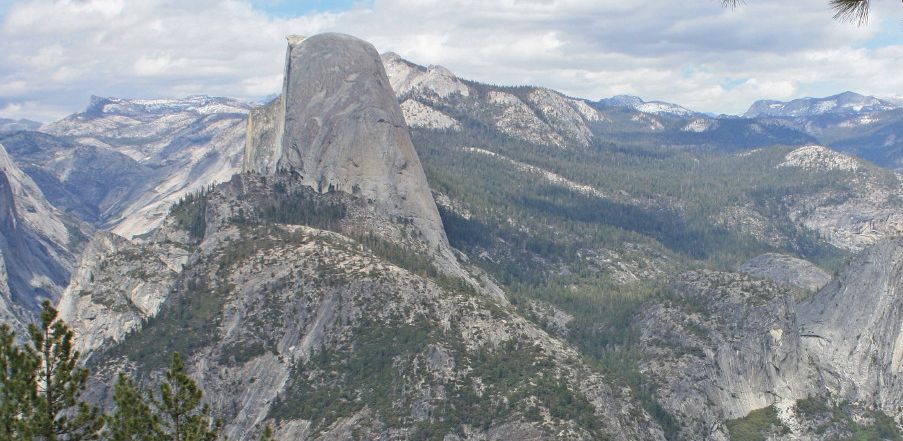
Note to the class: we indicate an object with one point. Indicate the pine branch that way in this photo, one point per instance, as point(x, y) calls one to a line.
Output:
point(851, 10)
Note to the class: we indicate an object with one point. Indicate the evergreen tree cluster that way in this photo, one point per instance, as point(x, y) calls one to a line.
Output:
point(41, 386)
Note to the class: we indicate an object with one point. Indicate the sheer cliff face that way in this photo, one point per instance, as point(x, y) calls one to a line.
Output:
point(339, 126)
point(854, 328)
point(722, 345)
point(37, 245)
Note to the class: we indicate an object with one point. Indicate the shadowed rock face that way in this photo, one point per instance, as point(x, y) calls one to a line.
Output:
point(36, 246)
point(338, 124)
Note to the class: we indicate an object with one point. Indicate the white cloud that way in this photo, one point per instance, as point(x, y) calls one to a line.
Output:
point(54, 54)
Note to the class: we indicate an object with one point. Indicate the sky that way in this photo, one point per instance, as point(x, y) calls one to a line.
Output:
point(55, 54)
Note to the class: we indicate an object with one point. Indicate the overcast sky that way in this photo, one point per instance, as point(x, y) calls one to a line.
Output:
point(55, 54)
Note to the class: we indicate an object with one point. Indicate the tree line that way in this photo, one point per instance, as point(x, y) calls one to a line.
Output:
point(41, 387)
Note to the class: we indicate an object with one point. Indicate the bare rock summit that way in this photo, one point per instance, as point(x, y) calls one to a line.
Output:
point(339, 125)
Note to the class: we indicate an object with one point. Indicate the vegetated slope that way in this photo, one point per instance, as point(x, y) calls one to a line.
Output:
point(330, 335)
point(586, 236)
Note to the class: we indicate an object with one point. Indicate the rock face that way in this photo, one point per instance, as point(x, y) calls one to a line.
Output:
point(787, 270)
point(721, 346)
point(339, 126)
point(117, 286)
point(91, 182)
point(264, 128)
point(37, 245)
point(866, 212)
point(854, 328)
point(126, 161)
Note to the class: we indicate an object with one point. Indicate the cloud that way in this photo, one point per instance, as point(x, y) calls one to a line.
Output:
point(55, 54)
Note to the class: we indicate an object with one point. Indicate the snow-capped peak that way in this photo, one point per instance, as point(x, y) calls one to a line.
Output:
point(844, 103)
point(200, 104)
point(654, 107)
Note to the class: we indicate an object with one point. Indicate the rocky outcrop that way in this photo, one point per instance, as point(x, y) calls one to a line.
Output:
point(862, 212)
point(432, 83)
point(722, 345)
point(819, 158)
point(338, 126)
point(417, 114)
point(118, 286)
point(854, 329)
point(263, 132)
point(787, 270)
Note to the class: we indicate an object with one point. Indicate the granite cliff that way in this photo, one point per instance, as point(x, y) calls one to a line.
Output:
point(38, 244)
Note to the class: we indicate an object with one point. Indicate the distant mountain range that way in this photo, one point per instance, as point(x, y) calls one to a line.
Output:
point(12, 125)
point(847, 103)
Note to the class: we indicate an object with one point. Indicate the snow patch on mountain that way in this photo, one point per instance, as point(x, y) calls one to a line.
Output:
point(699, 125)
point(653, 107)
point(844, 103)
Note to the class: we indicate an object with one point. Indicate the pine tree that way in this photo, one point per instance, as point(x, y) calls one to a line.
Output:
point(133, 419)
point(58, 412)
point(17, 387)
point(844, 10)
point(180, 405)
point(267, 434)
